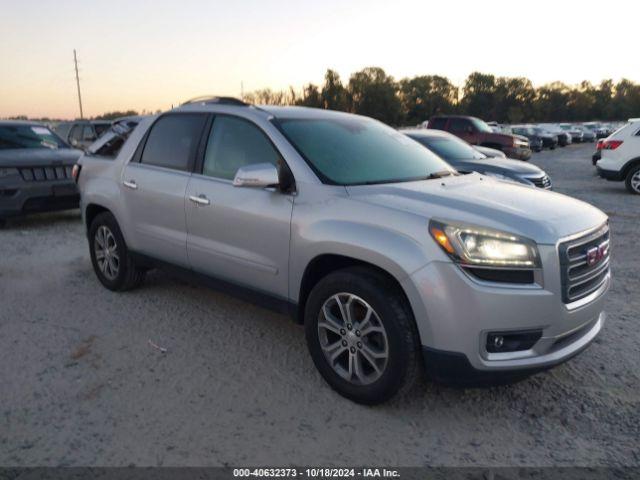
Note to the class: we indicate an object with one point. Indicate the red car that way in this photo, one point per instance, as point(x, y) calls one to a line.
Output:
point(477, 132)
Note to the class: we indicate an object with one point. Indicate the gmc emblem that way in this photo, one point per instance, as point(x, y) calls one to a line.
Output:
point(595, 254)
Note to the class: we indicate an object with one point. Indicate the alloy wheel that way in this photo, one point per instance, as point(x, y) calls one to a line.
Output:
point(106, 252)
point(353, 339)
point(635, 181)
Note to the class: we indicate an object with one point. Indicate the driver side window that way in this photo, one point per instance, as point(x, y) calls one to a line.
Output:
point(235, 143)
point(460, 125)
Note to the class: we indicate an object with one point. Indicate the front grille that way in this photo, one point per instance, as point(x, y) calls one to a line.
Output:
point(541, 182)
point(45, 174)
point(584, 264)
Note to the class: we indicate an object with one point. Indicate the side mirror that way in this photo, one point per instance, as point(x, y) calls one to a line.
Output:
point(470, 129)
point(258, 175)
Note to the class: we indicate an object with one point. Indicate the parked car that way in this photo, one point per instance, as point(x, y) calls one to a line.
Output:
point(35, 170)
point(489, 152)
point(564, 138)
point(587, 134)
point(464, 158)
point(383, 251)
point(82, 133)
point(600, 130)
point(621, 156)
point(535, 141)
point(577, 135)
point(476, 132)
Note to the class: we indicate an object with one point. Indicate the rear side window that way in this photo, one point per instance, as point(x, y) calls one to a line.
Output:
point(173, 141)
point(438, 123)
point(88, 133)
point(76, 133)
point(236, 143)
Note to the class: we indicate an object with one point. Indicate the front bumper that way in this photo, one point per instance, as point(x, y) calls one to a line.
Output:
point(456, 312)
point(517, 153)
point(18, 197)
point(455, 368)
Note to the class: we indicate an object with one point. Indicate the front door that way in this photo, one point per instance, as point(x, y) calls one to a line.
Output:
point(238, 234)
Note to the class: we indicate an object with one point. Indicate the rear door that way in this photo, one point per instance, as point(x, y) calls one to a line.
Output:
point(238, 234)
point(154, 183)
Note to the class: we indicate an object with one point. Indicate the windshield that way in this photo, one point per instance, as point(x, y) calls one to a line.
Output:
point(354, 150)
point(28, 136)
point(450, 149)
point(481, 125)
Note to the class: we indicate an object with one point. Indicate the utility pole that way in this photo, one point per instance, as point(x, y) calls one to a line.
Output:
point(241, 90)
point(75, 61)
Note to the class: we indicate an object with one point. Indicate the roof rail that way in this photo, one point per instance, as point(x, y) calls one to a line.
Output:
point(217, 100)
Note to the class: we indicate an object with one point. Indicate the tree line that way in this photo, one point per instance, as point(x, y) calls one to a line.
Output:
point(409, 101)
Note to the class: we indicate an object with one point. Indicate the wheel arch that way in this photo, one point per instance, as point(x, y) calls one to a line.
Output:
point(325, 264)
point(629, 165)
point(91, 211)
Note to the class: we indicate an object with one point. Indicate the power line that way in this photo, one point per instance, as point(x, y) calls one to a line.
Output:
point(75, 61)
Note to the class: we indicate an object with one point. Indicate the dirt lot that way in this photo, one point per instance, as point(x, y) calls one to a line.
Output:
point(80, 383)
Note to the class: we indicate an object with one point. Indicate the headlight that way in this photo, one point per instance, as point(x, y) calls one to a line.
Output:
point(470, 245)
point(7, 172)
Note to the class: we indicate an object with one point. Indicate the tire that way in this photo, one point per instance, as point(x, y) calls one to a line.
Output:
point(633, 180)
point(116, 269)
point(363, 287)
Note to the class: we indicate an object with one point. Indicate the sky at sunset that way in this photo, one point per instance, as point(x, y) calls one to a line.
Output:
point(148, 55)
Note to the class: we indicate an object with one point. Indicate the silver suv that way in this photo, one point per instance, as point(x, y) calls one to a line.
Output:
point(393, 261)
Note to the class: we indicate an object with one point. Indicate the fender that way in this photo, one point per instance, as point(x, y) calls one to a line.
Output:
point(394, 252)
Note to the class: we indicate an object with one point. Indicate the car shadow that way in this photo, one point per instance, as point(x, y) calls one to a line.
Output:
point(40, 220)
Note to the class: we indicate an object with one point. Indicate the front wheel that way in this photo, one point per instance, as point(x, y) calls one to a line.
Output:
point(362, 336)
point(112, 262)
point(633, 180)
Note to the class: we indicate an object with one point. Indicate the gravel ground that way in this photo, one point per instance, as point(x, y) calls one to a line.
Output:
point(80, 383)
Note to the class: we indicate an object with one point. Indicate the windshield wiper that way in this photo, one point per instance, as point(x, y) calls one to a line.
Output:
point(440, 174)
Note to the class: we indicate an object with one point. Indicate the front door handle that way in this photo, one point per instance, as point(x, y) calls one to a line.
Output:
point(130, 184)
point(200, 199)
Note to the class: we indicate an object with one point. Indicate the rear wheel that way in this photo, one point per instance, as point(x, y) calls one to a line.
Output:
point(633, 180)
point(112, 262)
point(362, 336)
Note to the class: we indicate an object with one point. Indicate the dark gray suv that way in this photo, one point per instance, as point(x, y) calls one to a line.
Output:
point(35, 170)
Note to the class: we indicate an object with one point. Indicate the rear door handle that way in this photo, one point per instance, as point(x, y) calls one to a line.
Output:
point(200, 199)
point(130, 184)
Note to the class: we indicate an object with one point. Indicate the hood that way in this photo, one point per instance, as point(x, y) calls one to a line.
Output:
point(495, 164)
point(38, 157)
point(540, 215)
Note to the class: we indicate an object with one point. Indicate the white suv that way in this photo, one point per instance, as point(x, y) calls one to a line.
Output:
point(621, 156)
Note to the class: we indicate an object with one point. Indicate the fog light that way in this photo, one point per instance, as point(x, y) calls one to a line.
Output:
point(499, 342)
